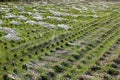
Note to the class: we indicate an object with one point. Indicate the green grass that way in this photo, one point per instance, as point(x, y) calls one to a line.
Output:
point(55, 53)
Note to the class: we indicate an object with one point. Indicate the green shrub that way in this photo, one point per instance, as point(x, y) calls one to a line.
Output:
point(58, 68)
point(113, 72)
point(43, 77)
point(51, 74)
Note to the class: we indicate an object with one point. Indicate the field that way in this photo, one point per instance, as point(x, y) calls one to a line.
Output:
point(60, 41)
